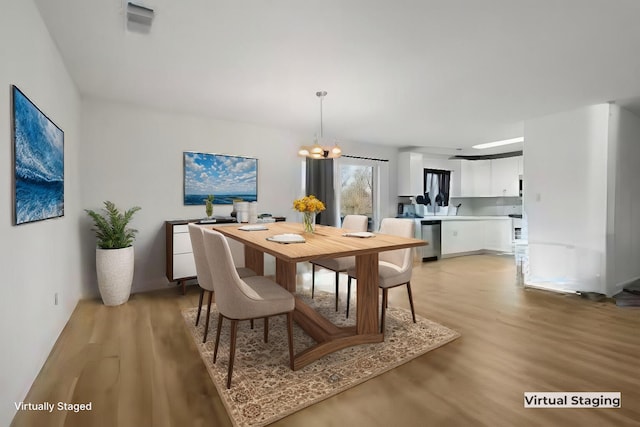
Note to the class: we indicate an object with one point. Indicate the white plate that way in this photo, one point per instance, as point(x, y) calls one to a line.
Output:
point(359, 234)
point(253, 227)
point(287, 238)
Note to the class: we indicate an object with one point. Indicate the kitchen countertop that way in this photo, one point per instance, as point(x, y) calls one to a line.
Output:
point(459, 217)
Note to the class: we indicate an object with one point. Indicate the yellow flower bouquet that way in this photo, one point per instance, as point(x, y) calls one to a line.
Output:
point(309, 206)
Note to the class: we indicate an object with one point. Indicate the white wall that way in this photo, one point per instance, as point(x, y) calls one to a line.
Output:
point(36, 259)
point(565, 166)
point(623, 226)
point(133, 156)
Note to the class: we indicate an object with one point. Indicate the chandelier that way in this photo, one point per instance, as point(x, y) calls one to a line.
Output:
point(318, 150)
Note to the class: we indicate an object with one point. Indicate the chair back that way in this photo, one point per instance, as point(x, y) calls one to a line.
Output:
point(401, 228)
point(355, 222)
point(233, 295)
point(202, 267)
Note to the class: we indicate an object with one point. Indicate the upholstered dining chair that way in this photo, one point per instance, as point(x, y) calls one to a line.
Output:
point(238, 299)
point(394, 267)
point(339, 265)
point(204, 275)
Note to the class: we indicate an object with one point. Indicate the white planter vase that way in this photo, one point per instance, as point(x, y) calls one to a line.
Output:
point(115, 274)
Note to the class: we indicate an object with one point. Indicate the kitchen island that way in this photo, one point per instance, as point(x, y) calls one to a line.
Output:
point(468, 235)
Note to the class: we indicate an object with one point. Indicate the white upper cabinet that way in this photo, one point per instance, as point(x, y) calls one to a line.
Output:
point(504, 177)
point(410, 174)
point(476, 178)
point(520, 165)
point(491, 178)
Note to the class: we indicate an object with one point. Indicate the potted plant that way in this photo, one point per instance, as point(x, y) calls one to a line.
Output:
point(209, 206)
point(114, 252)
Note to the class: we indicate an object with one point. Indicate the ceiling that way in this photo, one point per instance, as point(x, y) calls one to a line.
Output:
point(422, 73)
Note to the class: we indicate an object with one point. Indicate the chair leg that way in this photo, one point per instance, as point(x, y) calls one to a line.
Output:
point(200, 305)
point(232, 350)
point(290, 337)
point(413, 313)
point(385, 296)
point(251, 323)
point(313, 279)
point(348, 294)
point(266, 329)
point(215, 349)
point(337, 288)
point(206, 327)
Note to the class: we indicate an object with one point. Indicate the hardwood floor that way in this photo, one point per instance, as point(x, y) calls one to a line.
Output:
point(139, 367)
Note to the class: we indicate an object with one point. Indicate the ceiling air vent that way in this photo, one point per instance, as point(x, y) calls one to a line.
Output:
point(139, 18)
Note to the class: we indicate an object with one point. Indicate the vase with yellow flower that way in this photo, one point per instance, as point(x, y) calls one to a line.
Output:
point(309, 206)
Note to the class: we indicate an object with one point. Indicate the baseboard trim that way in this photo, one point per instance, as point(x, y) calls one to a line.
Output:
point(479, 252)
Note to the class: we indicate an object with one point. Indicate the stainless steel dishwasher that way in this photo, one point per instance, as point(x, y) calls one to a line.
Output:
point(431, 234)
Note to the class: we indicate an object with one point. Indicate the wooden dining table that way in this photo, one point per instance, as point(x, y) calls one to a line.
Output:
point(325, 242)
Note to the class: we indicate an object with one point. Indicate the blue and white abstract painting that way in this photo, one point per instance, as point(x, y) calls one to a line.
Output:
point(39, 163)
point(226, 177)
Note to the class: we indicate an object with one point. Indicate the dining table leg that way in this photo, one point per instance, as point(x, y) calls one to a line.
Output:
point(286, 275)
point(254, 259)
point(367, 294)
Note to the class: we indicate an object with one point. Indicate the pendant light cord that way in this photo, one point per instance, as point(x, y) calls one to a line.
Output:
point(321, 95)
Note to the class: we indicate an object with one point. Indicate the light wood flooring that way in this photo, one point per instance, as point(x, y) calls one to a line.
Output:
point(139, 367)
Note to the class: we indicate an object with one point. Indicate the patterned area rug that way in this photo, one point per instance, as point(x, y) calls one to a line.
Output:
point(264, 389)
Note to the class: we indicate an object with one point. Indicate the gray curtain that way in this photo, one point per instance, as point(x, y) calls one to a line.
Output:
point(319, 182)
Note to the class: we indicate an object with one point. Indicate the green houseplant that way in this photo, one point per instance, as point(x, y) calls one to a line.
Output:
point(114, 252)
point(209, 205)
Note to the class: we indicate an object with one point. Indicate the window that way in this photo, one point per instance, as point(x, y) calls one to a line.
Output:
point(358, 189)
point(436, 186)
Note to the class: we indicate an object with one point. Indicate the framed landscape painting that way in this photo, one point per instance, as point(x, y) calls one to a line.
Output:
point(226, 177)
point(38, 147)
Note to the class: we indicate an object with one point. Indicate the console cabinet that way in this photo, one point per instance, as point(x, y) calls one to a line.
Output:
point(180, 264)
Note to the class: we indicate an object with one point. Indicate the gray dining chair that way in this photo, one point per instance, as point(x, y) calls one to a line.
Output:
point(394, 267)
point(238, 299)
point(339, 265)
point(204, 275)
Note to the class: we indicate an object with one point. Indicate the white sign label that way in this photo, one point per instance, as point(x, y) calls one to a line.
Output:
point(596, 399)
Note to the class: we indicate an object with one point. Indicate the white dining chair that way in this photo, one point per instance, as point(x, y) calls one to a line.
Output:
point(394, 267)
point(339, 265)
point(243, 299)
point(204, 275)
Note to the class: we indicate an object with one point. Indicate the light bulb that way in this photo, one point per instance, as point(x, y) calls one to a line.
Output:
point(304, 151)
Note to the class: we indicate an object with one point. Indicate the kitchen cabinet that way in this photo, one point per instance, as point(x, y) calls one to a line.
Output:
point(520, 165)
point(491, 178)
point(476, 178)
point(504, 177)
point(463, 237)
point(498, 236)
point(410, 174)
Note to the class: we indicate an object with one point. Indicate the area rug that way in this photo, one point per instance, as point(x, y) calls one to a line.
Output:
point(264, 389)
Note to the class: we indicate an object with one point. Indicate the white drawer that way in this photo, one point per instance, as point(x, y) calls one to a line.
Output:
point(183, 266)
point(184, 228)
point(182, 243)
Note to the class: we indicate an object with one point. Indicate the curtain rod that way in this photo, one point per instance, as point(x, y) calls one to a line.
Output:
point(365, 158)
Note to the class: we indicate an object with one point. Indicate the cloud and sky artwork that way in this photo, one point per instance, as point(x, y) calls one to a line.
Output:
point(228, 178)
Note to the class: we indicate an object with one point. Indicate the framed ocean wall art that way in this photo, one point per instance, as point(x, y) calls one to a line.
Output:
point(226, 177)
point(38, 154)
